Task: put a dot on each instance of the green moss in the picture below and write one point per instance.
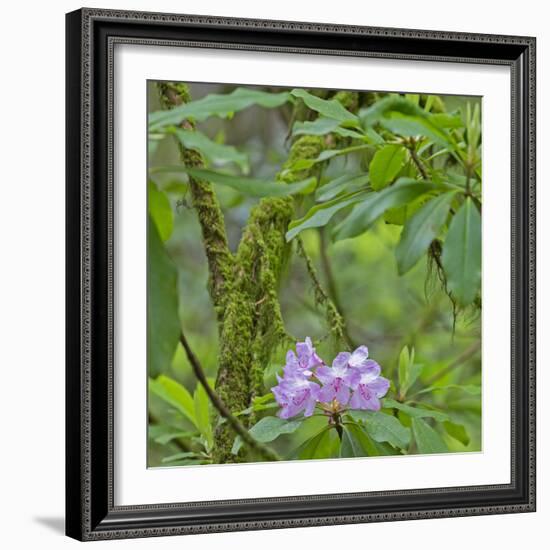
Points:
(349, 100)
(207, 206)
(304, 148)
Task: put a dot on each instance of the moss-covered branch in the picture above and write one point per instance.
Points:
(205, 202)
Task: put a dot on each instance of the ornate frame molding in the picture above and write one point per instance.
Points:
(91, 36)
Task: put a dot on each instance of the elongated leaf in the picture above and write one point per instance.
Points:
(216, 153)
(169, 436)
(176, 395)
(160, 210)
(268, 429)
(351, 445)
(320, 215)
(305, 164)
(415, 412)
(329, 108)
(445, 120)
(394, 103)
(403, 370)
(220, 105)
(408, 126)
(383, 427)
(427, 439)
(271, 427)
(317, 127)
(385, 165)
(248, 186)
(462, 254)
(202, 414)
(367, 212)
(420, 230)
(322, 126)
(357, 442)
(322, 445)
(163, 324)
(347, 183)
(457, 431)
(179, 456)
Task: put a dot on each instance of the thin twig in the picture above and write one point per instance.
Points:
(331, 282)
(255, 445)
(418, 163)
(337, 323)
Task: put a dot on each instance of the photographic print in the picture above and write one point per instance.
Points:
(314, 273)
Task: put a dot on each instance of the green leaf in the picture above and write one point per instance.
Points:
(393, 103)
(271, 427)
(403, 370)
(458, 432)
(402, 116)
(420, 230)
(174, 394)
(461, 256)
(169, 436)
(220, 105)
(160, 211)
(163, 324)
(386, 164)
(427, 439)
(383, 427)
(415, 412)
(322, 126)
(268, 429)
(408, 126)
(351, 445)
(321, 214)
(445, 120)
(329, 108)
(248, 186)
(179, 456)
(357, 442)
(365, 214)
(216, 153)
(318, 127)
(202, 414)
(322, 445)
(348, 183)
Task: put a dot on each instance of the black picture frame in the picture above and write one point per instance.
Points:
(90, 512)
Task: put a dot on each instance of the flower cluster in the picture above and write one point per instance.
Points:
(352, 382)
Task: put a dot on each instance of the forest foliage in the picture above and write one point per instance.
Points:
(351, 218)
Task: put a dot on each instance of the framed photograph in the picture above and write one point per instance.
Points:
(300, 274)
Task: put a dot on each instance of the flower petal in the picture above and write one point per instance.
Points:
(359, 356)
(342, 395)
(341, 360)
(370, 370)
(325, 374)
(326, 394)
(380, 386)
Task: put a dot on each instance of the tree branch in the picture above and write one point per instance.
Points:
(205, 203)
(255, 445)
